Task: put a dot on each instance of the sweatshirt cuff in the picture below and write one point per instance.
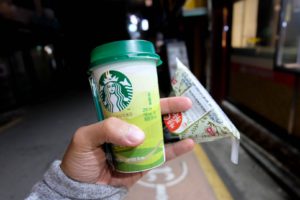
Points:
(59, 182)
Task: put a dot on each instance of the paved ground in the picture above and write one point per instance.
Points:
(29, 144)
(218, 179)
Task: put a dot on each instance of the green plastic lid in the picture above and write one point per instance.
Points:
(123, 50)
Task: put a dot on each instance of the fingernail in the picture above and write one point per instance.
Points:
(134, 135)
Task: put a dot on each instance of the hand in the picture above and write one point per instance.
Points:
(85, 160)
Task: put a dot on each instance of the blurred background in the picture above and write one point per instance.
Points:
(245, 52)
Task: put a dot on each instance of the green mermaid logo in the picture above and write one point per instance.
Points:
(115, 91)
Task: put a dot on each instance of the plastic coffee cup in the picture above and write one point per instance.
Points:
(124, 84)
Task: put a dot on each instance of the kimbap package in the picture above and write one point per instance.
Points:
(205, 121)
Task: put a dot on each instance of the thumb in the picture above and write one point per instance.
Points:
(111, 130)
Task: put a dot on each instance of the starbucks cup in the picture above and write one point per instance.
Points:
(124, 84)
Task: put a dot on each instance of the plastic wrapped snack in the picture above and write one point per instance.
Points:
(205, 121)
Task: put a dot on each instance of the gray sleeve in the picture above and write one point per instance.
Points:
(56, 185)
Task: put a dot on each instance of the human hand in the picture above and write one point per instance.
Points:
(85, 159)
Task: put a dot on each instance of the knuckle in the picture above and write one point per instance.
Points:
(110, 123)
(79, 134)
(112, 120)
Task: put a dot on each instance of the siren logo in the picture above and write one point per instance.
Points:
(115, 91)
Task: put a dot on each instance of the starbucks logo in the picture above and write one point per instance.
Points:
(115, 91)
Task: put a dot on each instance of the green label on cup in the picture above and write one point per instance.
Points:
(115, 91)
(125, 94)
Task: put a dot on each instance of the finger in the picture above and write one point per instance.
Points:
(111, 130)
(176, 149)
(175, 104)
(119, 178)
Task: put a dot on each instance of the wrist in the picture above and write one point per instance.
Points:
(58, 181)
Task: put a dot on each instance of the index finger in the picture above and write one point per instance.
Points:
(175, 104)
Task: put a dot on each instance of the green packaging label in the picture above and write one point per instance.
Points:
(115, 91)
(127, 96)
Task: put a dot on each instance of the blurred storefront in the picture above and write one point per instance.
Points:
(257, 77)
(254, 44)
